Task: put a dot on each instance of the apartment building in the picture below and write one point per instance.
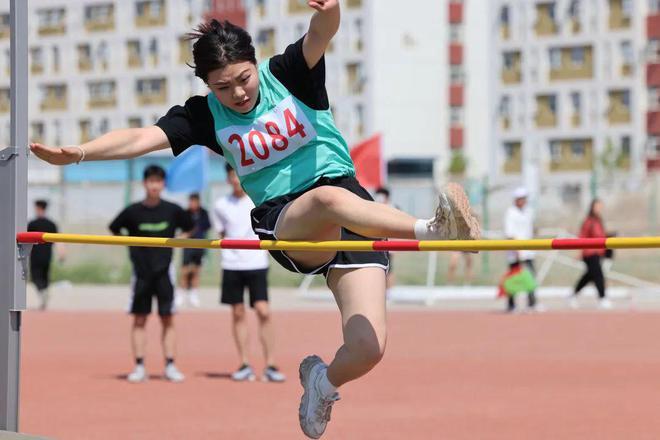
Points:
(383, 71)
(97, 65)
(573, 92)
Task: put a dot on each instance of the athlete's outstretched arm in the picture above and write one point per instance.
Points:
(117, 144)
(322, 27)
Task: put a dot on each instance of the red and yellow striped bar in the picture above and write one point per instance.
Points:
(364, 246)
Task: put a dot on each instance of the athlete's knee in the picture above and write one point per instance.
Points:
(238, 312)
(262, 310)
(329, 198)
(140, 321)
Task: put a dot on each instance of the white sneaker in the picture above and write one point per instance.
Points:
(272, 374)
(453, 218)
(539, 308)
(173, 374)
(179, 299)
(314, 412)
(139, 374)
(193, 299)
(605, 304)
(44, 296)
(573, 302)
(244, 373)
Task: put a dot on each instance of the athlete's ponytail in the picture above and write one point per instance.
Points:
(219, 44)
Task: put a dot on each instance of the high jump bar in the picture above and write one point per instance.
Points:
(364, 246)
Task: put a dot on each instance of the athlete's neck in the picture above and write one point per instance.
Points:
(151, 201)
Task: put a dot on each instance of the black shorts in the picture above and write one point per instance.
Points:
(159, 285)
(40, 274)
(234, 283)
(264, 222)
(193, 257)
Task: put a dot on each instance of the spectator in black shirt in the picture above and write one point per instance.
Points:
(192, 258)
(41, 255)
(152, 272)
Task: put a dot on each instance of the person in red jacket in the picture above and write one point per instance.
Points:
(592, 227)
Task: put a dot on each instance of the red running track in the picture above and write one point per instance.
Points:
(458, 375)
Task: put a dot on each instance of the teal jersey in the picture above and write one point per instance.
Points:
(282, 146)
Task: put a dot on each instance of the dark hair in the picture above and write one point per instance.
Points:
(384, 191)
(218, 45)
(228, 167)
(153, 171)
(41, 204)
(193, 196)
(591, 212)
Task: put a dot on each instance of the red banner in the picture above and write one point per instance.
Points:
(368, 162)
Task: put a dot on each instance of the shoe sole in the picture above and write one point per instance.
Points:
(303, 371)
(467, 226)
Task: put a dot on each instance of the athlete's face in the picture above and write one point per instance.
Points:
(236, 86)
(154, 185)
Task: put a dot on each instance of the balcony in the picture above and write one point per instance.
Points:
(100, 25)
(36, 68)
(456, 137)
(298, 7)
(572, 155)
(653, 123)
(152, 98)
(4, 26)
(456, 95)
(546, 112)
(455, 54)
(4, 101)
(618, 18)
(545, 23)
(573, 67)
(505, 31)
(47, 30)
(618, 111)
(151, 13)
(455, 13)
(511, 69)
(54, 100)
(97, 102)
(653, 26)
(513, 162)
(352, 4)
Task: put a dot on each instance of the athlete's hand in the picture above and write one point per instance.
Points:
(56, 155)
(323, 5)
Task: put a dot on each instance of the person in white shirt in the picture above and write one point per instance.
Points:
(519, 225)
(244, 269)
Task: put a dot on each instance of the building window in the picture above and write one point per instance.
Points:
(555, 58)
(577, 56)
(577, 150)
(653, 147)
(505, 106)
(456, 74)
(576, 101)
(99, 17)
(456, 115)
(455, 33)
(4, 25)
(56, 59)
(625, 146)
(555, 151)
(509, 60)
(37, 132)
(654, 6)
(627, 8)
(504, 15)
(51, 21)
(625, 99)
(37, 58)
(654, 98)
